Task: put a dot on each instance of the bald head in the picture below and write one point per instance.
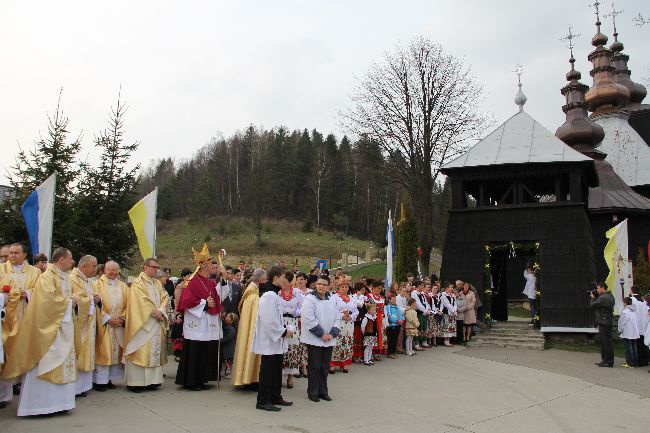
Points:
(112, 270)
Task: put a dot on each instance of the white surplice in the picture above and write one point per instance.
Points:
(269, 327)
(198, 325)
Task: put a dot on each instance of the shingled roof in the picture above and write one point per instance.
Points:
(613, 193)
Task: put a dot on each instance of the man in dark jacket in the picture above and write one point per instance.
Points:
(603, 303)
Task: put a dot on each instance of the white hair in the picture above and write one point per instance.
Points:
(86, 260)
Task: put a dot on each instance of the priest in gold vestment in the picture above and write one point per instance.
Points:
(146, 330)
(109, 346)
(44, 347)
(22, 278)
(87, 300)
(246, 364)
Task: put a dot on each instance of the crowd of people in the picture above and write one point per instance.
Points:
(68, 330)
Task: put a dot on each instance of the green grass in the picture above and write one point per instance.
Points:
(282, 239)
(619, 349)
(375, 270)
(518, 312)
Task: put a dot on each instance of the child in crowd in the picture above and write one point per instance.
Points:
(412, 325)
(629, 329)
(228, 342)
(359, 293)
(369, 326)
(395, 320)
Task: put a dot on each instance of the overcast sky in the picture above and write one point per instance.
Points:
(190, 70)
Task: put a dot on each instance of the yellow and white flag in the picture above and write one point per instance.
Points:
(143, 218)
(617, 261)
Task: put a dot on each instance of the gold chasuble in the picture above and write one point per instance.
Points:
(82, 291)
(110, 339)
(47, 338)
(246, 365)
(145, 337)
(19, 278)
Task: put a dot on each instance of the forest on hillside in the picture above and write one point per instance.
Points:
(316, 180)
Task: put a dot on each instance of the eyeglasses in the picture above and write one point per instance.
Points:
(155, 267)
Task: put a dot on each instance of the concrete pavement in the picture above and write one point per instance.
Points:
(440, 390)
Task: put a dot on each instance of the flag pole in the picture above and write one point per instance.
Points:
(49, 253)
(155, 224)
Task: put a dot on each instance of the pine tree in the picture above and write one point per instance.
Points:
(406, 244)
(642, 272)
(55, 153)
(108, 192)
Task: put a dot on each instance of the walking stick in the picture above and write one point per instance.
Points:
(222, 254)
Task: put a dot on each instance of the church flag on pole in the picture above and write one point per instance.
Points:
(143, 218)
(390, 251)
(38, 214)
(617, 261)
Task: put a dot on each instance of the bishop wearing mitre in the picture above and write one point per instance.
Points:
(201, 307)
(109, 345)
(44, 347)
(87, 301)
(145, 335)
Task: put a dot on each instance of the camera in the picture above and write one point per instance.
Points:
(593, 290)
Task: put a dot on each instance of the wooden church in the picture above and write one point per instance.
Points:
(523, 195)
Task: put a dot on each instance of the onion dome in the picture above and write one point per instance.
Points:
(605, 94)
(579, 131)
(622, 74)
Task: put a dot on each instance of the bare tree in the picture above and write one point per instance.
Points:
(320, 175)
(421, 105)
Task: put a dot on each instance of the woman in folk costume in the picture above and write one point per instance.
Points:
(291, 303)
(303, 287)
(449, 313)
(359, 294)
(381, 347)
(422, 309)
(347, 305)
(434, 320)
(109, 346)
(201, 309)
(246, 364)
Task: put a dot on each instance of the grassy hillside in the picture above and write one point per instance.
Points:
(282, 239)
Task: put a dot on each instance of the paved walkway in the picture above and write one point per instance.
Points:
(440, 390)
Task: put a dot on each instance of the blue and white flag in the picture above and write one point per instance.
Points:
(38, 213)
(390, 251)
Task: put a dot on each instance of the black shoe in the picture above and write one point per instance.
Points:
(3, 404)
(82, 394)
(269, 407)
(205, 386)
(314, 398)
(325, 397)
(193, 388)
(16, 389)
(283, 403)
(605, 364)
(153, 386)
(110, 385)
(98, 387)
(136, 389)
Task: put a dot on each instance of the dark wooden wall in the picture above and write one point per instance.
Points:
(567, 253)
(638, 227)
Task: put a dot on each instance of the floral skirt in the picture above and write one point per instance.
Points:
(433, 327)
(292, 359)
(383, 350)
(448, 326)
(357, 344)
(369, 340)
(342, 353)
